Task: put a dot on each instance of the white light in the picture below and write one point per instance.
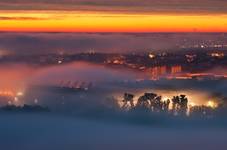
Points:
(211, 104)
(20, 93)
(192, 104)
(36, 101)
(16, 99)
(151, 56)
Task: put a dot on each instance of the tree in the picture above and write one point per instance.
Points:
(128, 98)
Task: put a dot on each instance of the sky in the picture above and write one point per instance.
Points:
(113, 15)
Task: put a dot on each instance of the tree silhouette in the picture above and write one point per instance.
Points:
(128, 99)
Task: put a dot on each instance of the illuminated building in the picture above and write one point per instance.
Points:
(176, 69)
(217, 55)
(156, 72)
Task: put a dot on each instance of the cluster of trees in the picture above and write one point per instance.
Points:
(24, 108)
(177, 105)
(155, 102)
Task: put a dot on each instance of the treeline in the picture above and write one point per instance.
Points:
(24, 108)
(178, 105)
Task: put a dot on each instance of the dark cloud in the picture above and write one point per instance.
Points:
(79, 42)
(143, 6)
(20, 18)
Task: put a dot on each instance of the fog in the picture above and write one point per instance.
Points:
(22, 78)
(18, 77)
(13, 76)
(93, 119)
(49, 132)
(108, 86)
(106, 94)
(84, 72)
(42, 43)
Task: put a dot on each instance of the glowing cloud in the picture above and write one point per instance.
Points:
(55, 21)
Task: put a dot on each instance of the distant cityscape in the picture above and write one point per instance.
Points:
(182, 63)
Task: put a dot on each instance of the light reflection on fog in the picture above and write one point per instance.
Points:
(20, 78)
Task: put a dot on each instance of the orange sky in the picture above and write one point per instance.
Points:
(61, 21)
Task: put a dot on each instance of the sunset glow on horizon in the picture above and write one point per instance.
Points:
(63, 21)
